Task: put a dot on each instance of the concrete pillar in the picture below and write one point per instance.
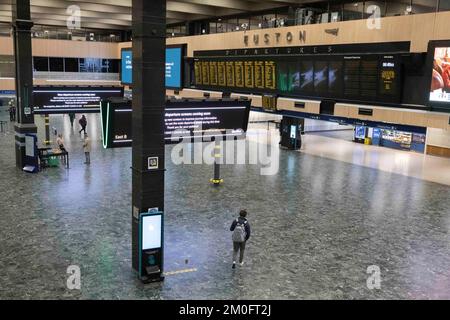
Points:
(21, 19)
(149, 41)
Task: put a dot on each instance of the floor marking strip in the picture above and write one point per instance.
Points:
(179, 271)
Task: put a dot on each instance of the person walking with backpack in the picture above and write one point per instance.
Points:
(241, 233)
(83, 123)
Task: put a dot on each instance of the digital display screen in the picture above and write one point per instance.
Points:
(259, 74)
(187, 118)
(307, 76)
(221, 71)
(205, 72)
(270, 75)
(174, 59)
(294, 77)
(321, 77)
(65, 99)
(126, 70)
(151, 231)
(293, 133)
(335, 77)
(369, 78)
(352, 76)
(239, 72)
(122, 127)
(249, 72)
(283, 76)
(440, 80)
(213, 73)
(388, 77)
(181, 119)
(198, 72)
(230, 73)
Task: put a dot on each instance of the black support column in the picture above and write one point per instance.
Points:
(22, 24)
(149, 41)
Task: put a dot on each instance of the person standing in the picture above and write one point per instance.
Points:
(87, 149)
(241, 233)
(72, 118)
(83, 124)
(60, 143)
(12, 111)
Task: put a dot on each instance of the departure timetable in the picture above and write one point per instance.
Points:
(230, 74)
(221, 70)
(239, 67)
(269, 73)
(259, 74)
(213, 73)
(205, 72)
(249, 71)
(198, 72)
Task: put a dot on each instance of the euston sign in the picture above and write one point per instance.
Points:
(277, 36)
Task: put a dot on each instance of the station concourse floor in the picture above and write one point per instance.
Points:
(317, 225)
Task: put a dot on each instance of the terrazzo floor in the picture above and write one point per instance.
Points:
(317, 226)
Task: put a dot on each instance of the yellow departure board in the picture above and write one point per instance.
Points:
(205, 72)
(230, 74)
(249, 78)
(239, 71)
(259, 74)
(198, 72)
(213, 73)
(269, 73)
(221, 69)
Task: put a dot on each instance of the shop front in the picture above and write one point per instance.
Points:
(392, 137)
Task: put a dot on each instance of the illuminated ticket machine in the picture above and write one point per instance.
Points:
(291, 129)
(151, 246)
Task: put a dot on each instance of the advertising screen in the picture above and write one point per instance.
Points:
(65, 99)
(151, 231)
(173, 67)
(440, 81)
(126, 66)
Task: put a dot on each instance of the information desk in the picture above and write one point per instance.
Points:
(47, 154)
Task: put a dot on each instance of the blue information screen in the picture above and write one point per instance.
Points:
(126, 67)
(172, 68)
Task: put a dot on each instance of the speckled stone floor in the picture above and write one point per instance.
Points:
(317, 225)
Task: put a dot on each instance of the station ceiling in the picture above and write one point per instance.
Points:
(116, 14)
